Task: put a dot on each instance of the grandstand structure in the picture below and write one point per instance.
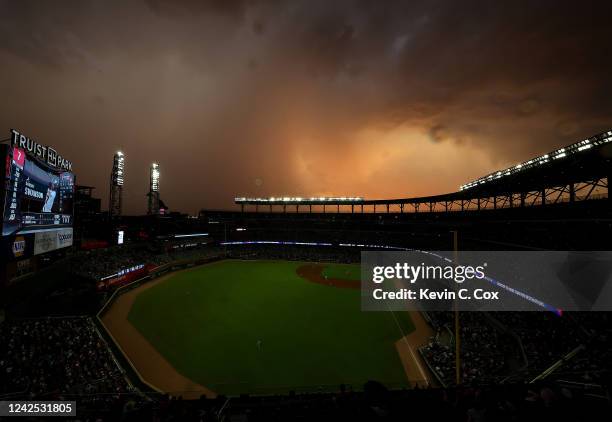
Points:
(578, 172)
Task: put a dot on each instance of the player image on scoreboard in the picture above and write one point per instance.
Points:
(40, 190)
(50, 196)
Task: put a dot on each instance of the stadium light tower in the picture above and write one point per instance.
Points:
(153, 208)
(116, 185)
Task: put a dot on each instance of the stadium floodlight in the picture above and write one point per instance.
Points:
(153, 195)
(116, 184)
(118, 166)
(296, 200)
(574, 148)
(155, 177)
(190, 235)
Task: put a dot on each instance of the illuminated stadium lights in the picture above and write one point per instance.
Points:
(362, 245)
(153, 206)
(154, 177)
(124, 272)
(274, 242)
(118, 164)
(292, 200)
(560, 153)
(116, 184)
(574, 148)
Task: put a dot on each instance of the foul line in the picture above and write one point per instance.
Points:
(414, 358)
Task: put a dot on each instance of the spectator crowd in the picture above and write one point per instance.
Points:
(46, 356)
(502, 346)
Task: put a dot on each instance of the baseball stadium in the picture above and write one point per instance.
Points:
(305, 211)
(260, 309)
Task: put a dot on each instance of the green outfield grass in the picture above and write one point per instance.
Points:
(207, 322)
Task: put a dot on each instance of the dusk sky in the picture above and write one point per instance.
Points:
(377, 99)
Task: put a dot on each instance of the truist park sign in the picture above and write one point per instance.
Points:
(42, 152)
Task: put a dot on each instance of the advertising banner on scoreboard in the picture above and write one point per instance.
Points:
(36, 196)
(16, 247)
(50, 240)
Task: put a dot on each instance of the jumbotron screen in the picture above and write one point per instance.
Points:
(37, 196)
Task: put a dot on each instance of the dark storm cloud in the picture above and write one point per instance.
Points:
(305, 97)
(185, 8)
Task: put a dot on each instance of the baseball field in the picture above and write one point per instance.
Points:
(268, 327)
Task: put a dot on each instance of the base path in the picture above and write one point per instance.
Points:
(153, 368)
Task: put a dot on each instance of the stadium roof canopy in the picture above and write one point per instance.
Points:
(563, 154)
(296, 200)
(586, 161)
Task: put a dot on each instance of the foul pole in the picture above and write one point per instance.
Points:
(457, 320)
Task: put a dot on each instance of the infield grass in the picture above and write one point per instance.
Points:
(257, 327)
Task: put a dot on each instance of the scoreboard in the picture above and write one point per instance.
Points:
(36, 199)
